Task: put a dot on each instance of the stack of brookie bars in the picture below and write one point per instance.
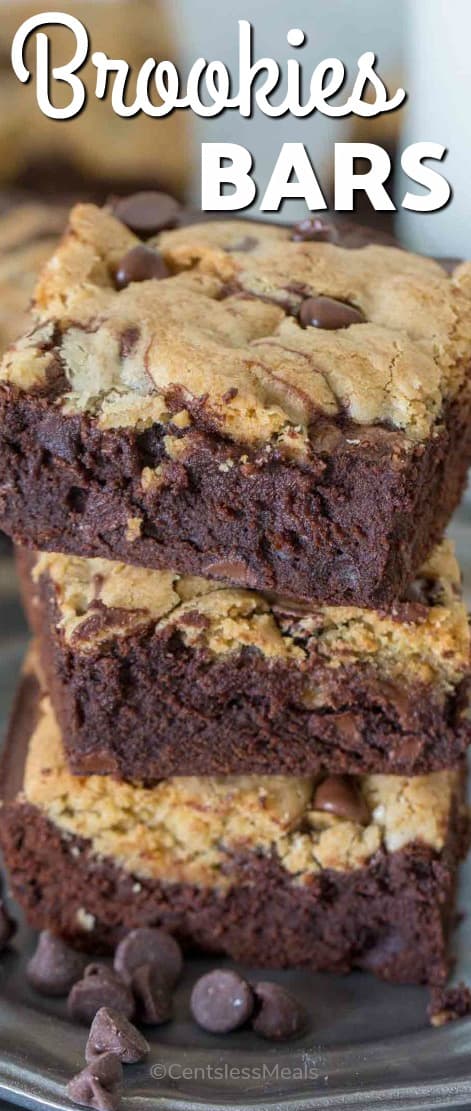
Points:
(229, 452)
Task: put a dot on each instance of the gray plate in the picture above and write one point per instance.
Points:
(368, 1044)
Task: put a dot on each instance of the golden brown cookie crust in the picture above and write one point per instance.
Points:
(225, 321)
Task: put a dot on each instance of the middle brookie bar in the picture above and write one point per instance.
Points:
(153, 674)
(327, 873)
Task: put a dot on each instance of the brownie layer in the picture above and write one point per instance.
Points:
(193, 423)
(244, 867)
(152, 675)
(349, 530)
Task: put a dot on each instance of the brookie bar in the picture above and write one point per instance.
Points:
(278, 408)
(327, 874)
(154, 674)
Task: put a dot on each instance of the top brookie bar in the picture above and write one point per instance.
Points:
(246, 402)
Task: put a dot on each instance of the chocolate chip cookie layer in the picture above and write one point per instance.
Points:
(153, 673)
(272, 870)
(231, 400)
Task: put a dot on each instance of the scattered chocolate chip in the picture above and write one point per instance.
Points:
(54, 967)
(111, 1032)
(313, 229)
(146, 213)
(398, 697)
(100, 987)
(328, 313)
(341, 796)
(98, 1085)
(278, 1015)
(140, 264)
(149, 946)
(221, 1001)
(152, 995)
(7, 926)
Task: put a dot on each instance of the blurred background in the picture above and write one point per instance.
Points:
(421, 44)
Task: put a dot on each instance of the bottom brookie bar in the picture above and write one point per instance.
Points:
(327, 873)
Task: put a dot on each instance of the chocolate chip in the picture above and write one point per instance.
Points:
(55, 967)
(152, 995)
(149, 946)
(111, 1032)
(100, 987)
(98, 1085)
(313, 229)
(146, 213)
(7, 926)
(328, 313)
(221, 1001)
(407, 752)
(140, 264)
(278, 1014)
(341, 796)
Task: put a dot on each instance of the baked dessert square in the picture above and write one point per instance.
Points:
(327, 873)
(154, 674)
(247, 402)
